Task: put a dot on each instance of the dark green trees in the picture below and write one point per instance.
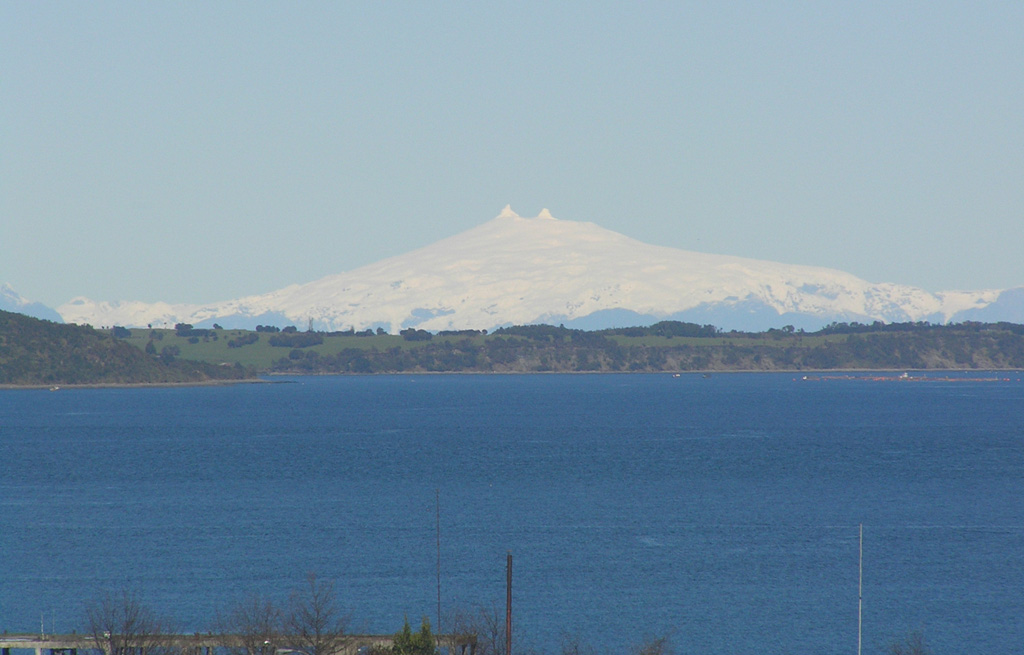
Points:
(407, 642)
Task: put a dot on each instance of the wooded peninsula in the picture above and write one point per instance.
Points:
(35, 352)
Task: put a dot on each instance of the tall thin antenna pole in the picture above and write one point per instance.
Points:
(437, 505)
(508, 606)
(860, 588)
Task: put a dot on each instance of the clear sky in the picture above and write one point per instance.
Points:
(194, 151)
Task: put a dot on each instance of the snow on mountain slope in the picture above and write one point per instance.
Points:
(515, 270)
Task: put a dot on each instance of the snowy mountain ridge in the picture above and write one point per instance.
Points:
(516, 270)
(12, 301)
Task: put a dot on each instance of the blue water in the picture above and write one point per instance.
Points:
(722, 512)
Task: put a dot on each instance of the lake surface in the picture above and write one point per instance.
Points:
(723, 512)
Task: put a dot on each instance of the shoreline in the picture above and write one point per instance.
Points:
(821, 374)
(133, 385)
(725, 371)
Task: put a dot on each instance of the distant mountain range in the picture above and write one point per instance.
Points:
(516, 270)
(11, 301)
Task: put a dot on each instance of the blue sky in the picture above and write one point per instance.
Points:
(193, 152)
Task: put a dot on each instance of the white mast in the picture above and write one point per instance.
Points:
(860, 587)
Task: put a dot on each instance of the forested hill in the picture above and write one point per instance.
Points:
(673, 346)
(668, 346)
(37, 352)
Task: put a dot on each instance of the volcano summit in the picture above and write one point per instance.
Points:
(516, 270)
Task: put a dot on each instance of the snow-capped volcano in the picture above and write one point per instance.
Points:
(516, 270)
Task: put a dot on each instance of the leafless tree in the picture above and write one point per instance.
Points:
(120, 624)
(314, 624)
(914, 645)
(654, 646)
(254, 625)
(485, 624)
(573, 644)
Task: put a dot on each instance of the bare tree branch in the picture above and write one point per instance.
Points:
(486, 624)
(655, 646)
(256, 624)
(314, 625)
(119, 624)
(914, 645)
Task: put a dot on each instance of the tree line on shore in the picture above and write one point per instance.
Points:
(36, 352)
(311, 622)
(684, 347)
